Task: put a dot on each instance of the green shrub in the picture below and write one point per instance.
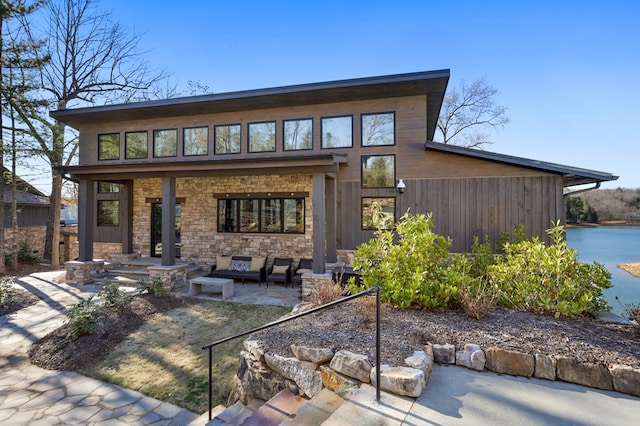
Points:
(5, 290)
(81, 318)
(154, 286)
(475, 294)
(26, 255)
(549, 279)
(411, 271)
(114, 298)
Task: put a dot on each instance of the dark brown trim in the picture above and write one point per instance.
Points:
(223, 195)
(159, 200)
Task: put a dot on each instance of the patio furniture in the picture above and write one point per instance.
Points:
(240, 268)
(280, 271)
(220, 285)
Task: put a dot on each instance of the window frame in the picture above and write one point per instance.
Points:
(249, 136)
(322, 128)
(126, 144)
(362, 133)
(175, 147)
(284, 134)
(184, 141)
(215, 138)
(101, 142)
(232, 223)
(100, 210)
(363, 185)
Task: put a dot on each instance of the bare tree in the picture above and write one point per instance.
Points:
(93, 61)
(467, 113)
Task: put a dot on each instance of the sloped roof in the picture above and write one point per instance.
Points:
(572, 176)
(27, 193)
(430, 83)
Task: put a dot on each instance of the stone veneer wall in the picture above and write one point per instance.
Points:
(199, 239)
(34, 236)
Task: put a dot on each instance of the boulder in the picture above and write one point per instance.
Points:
(303, 373)
(471, 357)
(404, 381)
(444, 354)
(255, 348)
(591, 375)
(255, 380)
(545, 367)
(340, 384)
(353, 365)
(626, 379)
(422, 361)
(315, 355)
(505, 361)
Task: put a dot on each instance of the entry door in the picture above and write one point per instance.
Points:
(156, 229)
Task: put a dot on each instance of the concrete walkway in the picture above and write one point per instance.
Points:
(30, 395)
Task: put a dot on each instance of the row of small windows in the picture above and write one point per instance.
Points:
(336, 132)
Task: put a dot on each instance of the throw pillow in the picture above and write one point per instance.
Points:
(280, 269)
(240, 265)
(257, 263)
(302, 271)
(223, 262)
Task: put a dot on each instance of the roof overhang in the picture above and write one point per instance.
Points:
(571, 176)
(323, 163)
(433, 84)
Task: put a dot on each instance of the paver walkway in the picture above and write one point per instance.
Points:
(35, 396)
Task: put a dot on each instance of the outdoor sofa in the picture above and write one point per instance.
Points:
(240, 268)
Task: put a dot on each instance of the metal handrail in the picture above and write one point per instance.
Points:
(375, 289)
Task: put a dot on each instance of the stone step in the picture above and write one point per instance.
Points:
(363, 409)
(281, 407)
(316, 410)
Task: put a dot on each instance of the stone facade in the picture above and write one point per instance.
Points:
(199, 238)
(32, 235)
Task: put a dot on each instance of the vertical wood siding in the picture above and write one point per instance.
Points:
(464, 208)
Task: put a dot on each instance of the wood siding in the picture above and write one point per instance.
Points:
(464, 207)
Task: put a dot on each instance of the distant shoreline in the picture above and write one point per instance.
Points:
(632, 268)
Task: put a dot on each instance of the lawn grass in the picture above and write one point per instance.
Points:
(164, 358)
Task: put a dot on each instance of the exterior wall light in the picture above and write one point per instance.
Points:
(401, 186)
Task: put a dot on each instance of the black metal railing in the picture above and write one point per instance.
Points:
(375, 290)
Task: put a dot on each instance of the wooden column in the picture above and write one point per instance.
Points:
(168, 221)
(126, 216)
(86, 214)
(318, 223)
(331, 218)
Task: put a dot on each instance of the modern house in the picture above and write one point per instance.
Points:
(293, 171)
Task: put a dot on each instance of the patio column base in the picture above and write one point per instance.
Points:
(310, 281)
(79, 273)
(174, 277)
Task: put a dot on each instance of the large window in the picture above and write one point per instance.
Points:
(298, 134)
(378, 129)
(165, 143)
(135, 144)
(378, 171)
(109, 146)
(262, 136)
(227, 139)
(384, 206)
(108, 212)
(272, 215)
(195, 141)
(337, 132)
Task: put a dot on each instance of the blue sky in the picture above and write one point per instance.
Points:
(567, 71)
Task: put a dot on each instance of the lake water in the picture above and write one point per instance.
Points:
(611, 245)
